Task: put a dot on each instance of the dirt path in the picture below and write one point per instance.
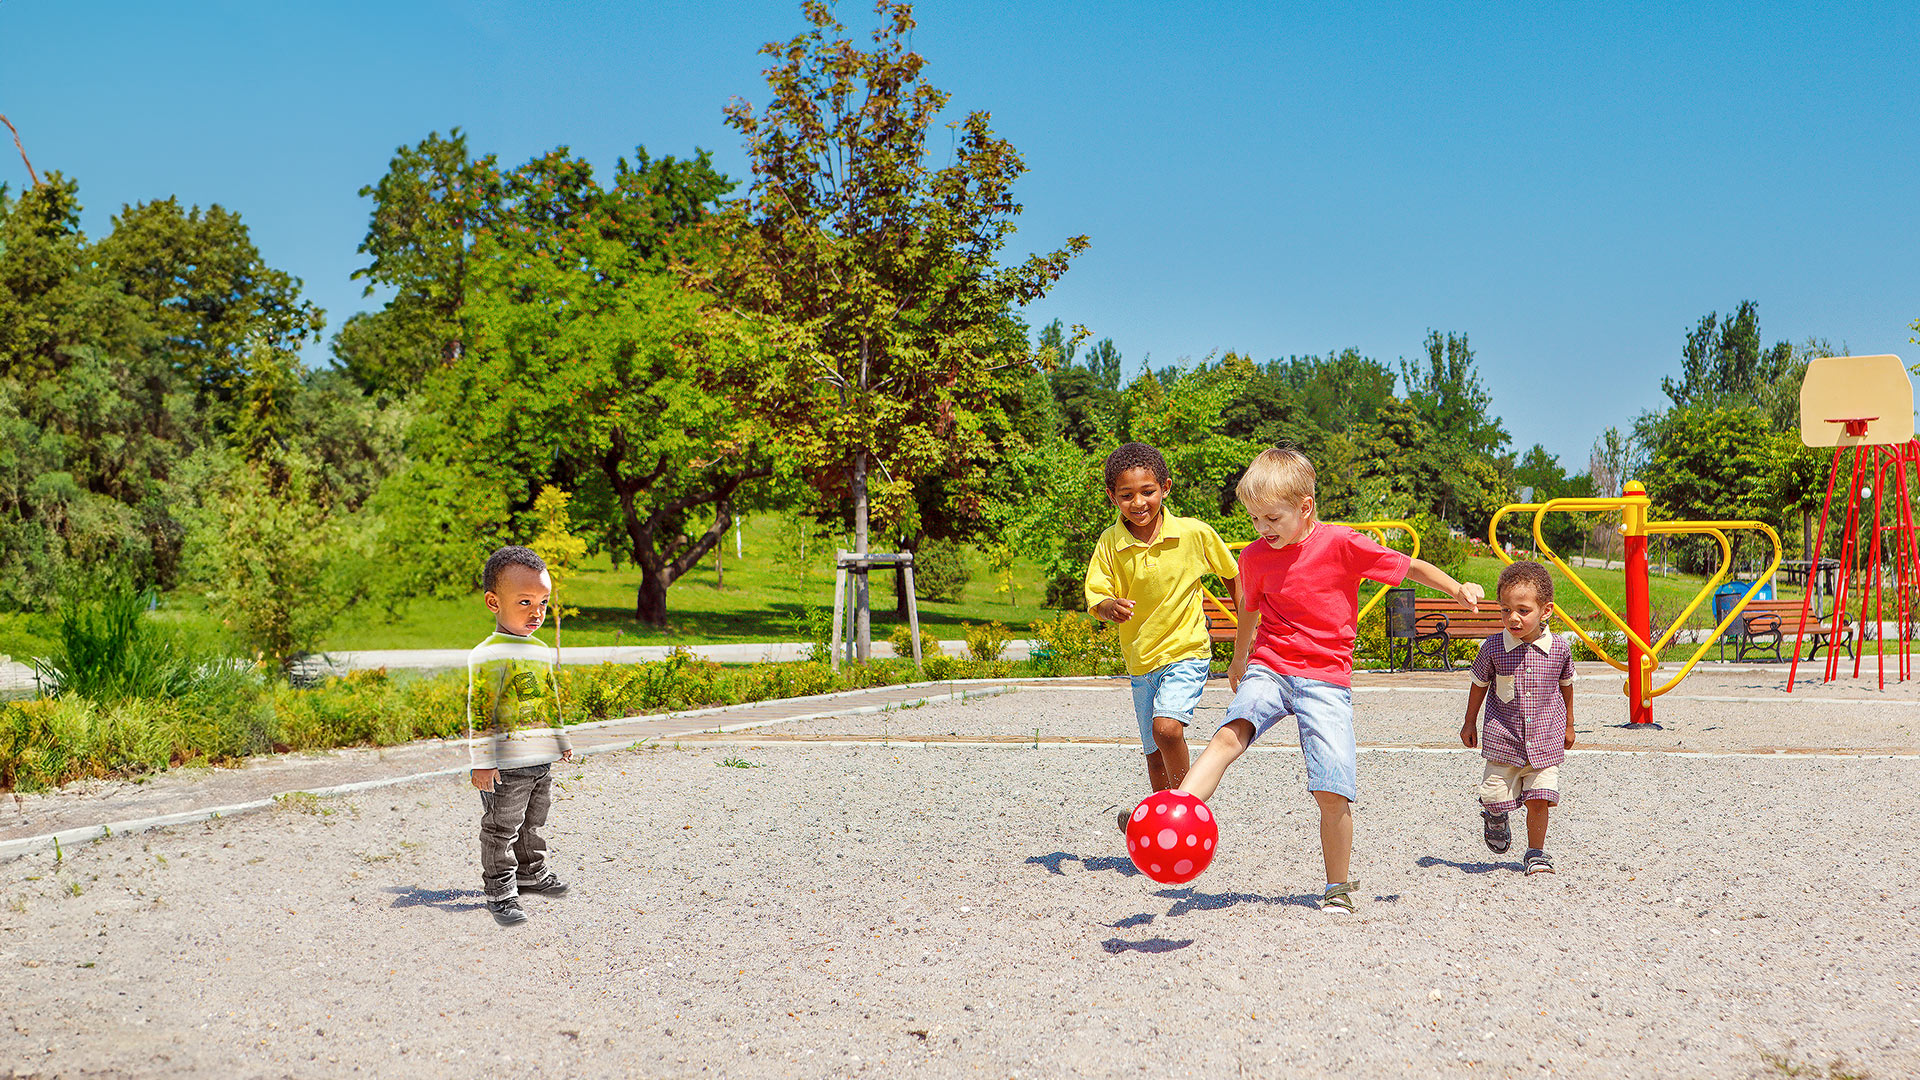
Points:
(782, 908)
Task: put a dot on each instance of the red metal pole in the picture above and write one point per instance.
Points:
(1639, 616)
(1813, 570)
(1873, 572)
(1843, 585)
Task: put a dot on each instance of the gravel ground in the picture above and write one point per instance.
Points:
(922, 910)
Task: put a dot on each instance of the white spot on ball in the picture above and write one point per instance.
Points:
(1208, 845)
(1168, 838)
(1140, 812)
(1153, 868)
(1192, 839)
(1160, 809)
(1205, 814)
(1179, 811)
(1183, 868)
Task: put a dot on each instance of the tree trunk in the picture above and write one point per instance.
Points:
(650, 605)
(900, 582)
(862, 615)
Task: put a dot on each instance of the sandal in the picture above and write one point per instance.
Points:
(1338, 897)
(1538, 862)
(1494, 828)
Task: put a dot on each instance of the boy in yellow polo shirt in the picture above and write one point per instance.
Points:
(1145, 577)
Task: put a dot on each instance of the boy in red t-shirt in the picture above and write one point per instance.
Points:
(1299, 609)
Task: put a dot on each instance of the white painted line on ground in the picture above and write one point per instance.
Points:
(910, 743)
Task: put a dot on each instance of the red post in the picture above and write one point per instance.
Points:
(1639, 611)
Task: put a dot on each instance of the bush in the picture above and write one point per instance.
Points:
(986, 641)
(941, 570)
(902, 641)
(1439, 546)
(1076, 643)
(107, 650)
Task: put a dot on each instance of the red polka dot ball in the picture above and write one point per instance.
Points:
(1171, 837)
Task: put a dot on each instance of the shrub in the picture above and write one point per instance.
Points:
(902, 641)
(108, 650)
(941, 570)
(986, 641)
(946, 667)
(1438, 544)
(1075, 643)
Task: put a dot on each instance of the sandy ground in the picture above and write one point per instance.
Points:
(772, 908)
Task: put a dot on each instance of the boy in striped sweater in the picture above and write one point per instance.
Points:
(514, 733)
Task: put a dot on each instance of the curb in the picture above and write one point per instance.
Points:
(84, 834)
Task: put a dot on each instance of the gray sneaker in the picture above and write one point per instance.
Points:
(550, 885)
(507, 912)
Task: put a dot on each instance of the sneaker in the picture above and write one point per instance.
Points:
(1538, 862)
(1338, 897)
(546, 886)
(1495, 830)
(507, 912)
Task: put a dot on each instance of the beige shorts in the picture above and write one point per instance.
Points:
(1504, 787)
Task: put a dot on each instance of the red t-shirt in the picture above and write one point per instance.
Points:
(1308, 597)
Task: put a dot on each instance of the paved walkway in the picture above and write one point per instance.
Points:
(78, 812)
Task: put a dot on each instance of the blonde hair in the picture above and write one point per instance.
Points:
(1279, 474)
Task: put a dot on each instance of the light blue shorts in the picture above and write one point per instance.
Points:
(1325, 713)
(1170, 691)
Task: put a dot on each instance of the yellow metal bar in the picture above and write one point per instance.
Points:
(1540, 544)
(1377, 528)
(1499, 550)
(1751, 592)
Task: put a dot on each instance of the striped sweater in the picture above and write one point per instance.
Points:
(513, 704)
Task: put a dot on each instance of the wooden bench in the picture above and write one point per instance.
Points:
(1761, 629)
(1439, 622)
(1222, 623)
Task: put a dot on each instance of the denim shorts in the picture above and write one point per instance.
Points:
(1324, 711)
(1171, 691)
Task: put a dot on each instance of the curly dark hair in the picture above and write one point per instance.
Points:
(1528, 574)
(505, 557)
(1137, 455)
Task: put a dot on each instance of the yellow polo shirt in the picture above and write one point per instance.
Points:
(1163, 581)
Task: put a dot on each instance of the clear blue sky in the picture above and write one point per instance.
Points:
(1572, 185)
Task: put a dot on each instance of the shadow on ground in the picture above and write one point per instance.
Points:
(1054, 860)
(1151, 945)
(444, 899)
(1426, 862)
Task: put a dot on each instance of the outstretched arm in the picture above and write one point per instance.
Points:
(1425, 573)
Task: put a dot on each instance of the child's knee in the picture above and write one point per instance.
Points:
(1167, 728)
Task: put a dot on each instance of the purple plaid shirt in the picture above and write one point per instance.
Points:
(1526, 716)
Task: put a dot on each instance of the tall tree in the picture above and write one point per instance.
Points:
(1448, 393)
(434, 200)
(878, 275)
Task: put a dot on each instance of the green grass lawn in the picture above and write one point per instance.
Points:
(764, 599)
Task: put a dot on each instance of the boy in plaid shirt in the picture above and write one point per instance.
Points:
(1529, 726)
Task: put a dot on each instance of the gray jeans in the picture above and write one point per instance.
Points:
(511, 847)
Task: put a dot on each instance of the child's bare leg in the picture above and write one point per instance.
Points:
(1226, 747)
(1336, 834)
(1157, 770)
(1537, 823)
(1170, 736)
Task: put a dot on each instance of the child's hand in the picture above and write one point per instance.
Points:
(1471, 594)
(483, 778)
(567, 754)
(1569, 745)
(1117, 609)
(1236, 670)
(1470, 734)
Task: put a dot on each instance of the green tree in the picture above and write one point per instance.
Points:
(1449, 396)
(433, 203)
(878, 276)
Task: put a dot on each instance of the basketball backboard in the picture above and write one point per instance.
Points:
(1873, 392)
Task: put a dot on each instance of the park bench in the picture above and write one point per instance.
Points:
(1438, 623)
(1761, 629)
(1222, 623)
